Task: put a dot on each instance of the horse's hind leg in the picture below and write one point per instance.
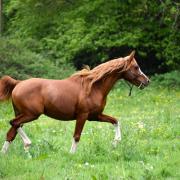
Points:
(10, 136)
(24, 137)
(16, 123)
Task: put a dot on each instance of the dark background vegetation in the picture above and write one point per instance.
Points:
(45, 38)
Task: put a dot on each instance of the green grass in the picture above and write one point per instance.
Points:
(150, 146)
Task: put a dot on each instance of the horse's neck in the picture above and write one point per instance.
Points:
(106, 85)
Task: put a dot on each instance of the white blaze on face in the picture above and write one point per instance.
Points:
(142, 74)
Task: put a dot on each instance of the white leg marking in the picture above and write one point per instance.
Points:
(117, 132)
(117, 137)
(5, 147)
(26, 140)
(73, 147)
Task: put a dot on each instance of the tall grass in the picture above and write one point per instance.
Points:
(149, 149)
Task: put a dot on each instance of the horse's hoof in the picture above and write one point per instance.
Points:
(5, 147)
(3, 152)
(72, 151)
(116, 141)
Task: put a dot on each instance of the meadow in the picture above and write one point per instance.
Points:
(150, 146)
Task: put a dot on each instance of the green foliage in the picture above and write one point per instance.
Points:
(168, 80)
(90, 32)
(149, 149)
(20, 60)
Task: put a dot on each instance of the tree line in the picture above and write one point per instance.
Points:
(63, 33)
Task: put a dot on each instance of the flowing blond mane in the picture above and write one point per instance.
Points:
(101, 71)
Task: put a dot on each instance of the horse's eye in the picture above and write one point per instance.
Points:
(136, 67)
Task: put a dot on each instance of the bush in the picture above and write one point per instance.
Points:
(91, 32)
(19, 61)
(170, 79)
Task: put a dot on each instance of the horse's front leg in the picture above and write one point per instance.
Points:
(81, 119)
(105, 118)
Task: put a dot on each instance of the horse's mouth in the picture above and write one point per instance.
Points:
(141, 86)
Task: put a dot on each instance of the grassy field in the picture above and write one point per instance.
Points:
(150, 146)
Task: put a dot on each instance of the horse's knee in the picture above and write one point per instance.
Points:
(14, 123)
(11, 122)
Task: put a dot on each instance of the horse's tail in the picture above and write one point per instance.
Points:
(7, 84)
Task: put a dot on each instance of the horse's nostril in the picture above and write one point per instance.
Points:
(148, 81)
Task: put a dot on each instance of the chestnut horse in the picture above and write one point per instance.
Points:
(81, 96)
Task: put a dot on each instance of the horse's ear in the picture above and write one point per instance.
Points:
(131, 56)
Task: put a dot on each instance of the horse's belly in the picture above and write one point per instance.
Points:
(60, 113)
(61, 107)
(60, 103)
(60, 116)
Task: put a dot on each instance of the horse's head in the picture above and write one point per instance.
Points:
(133, 73)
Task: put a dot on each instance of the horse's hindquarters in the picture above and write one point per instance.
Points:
(27, 97)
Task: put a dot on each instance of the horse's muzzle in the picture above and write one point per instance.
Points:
(144, 84)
